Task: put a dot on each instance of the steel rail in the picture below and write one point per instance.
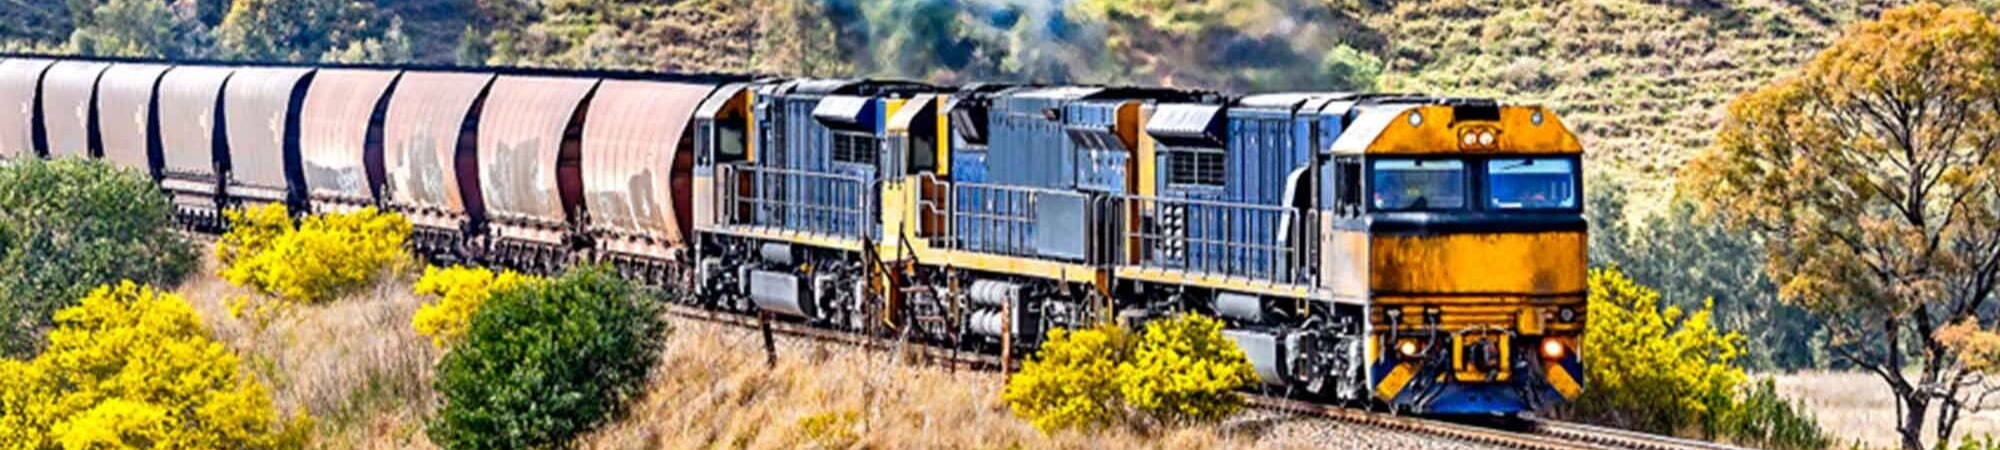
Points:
(1619, 438)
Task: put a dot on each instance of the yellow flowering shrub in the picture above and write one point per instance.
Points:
(1181, 370)
(1072, 380)
(1185, 371)
(1654, 368)
(460, 291)
(251, 231)
(133, 367)
(325, 256)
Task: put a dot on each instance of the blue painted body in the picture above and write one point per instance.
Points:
(1098, 169)
(791, 139)
(1262, 147)
(1027, 149)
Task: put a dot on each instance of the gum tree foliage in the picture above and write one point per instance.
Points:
(545, 362)
(132, 367)
(310, 30)
(1345, 68)
(68, 226)
(1178, 371)
(794, 38)
(137, 28)
(928, 33)
(1871, 177)
(783, 37)
(1690, 259)
(1167, 40)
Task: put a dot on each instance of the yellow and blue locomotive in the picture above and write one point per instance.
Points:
(1423, 252)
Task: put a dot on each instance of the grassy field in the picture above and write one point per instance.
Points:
(1857, 406)
(356, 366)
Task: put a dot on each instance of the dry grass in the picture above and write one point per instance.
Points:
(1857, 406)
(355, 364)
(714, 391)
(364, 375)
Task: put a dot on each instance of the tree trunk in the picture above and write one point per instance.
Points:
(1911, 427)
(1947, 419)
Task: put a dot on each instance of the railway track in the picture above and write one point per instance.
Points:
(1538, 434)
(1617, 438)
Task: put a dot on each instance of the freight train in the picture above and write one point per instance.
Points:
(1424, 253)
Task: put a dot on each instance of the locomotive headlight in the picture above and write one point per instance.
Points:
(1553, 348)
(1535, 118)
(1470, 139)
(1486, 138)
(1408, 348)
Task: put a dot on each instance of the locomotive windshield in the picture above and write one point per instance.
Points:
(1416, 184)
(1530, 183)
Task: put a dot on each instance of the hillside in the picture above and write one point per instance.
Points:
(1642, 81)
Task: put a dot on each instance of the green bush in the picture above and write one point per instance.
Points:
(1981, 442)
(1345, 68)
(545, 362)
(1763, 419)
(1180, 371)
(68, 226)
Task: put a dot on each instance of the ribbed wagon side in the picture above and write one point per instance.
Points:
(428, 141)
(68, 92)
(20, 89)
(340, 138)
(129, 137)
(262, 110)
(190, 117)
(637, 155)
(530, 147)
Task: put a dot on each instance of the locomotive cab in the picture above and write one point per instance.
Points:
(1460, 222)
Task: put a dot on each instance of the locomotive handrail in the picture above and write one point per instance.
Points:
(1221, 238)
(839, 205)
(1006, 225)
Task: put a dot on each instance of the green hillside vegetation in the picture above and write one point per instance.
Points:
(1643, 83)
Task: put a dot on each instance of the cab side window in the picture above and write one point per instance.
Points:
(731, 140)
(1347, 186)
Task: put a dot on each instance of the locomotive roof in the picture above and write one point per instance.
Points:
(1441, 127)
